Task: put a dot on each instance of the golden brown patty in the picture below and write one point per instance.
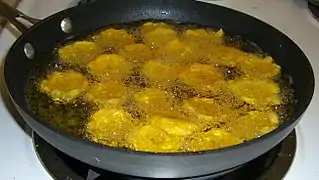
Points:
(201, 76)
(107, 93)
(110, 126)
(113, 38)
(136, 53)
(173, 126)
(149, 138)
(166, 76)
(153, 99)
(256, 92)
(254, 124)
(79, 53)
(212, 139)
(110, 67)
(159, 36)
(64, 86)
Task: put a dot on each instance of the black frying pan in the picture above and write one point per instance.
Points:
(44, 36)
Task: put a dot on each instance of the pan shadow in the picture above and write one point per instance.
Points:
(10, 106)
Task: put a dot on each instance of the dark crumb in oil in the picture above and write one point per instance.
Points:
(136, 81)
(136, 35)
(205, 61)
(181, 91)
(207, 129)
(226, 97)
(126, 147)
(229, 72)
(134, 110)
(110, 50)
(220, 125)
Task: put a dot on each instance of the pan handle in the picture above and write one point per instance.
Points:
(11, 14)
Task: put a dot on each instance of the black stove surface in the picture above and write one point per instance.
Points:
(273, 165)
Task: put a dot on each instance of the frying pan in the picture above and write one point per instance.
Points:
(38, 42)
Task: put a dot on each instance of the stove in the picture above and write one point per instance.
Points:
(25, 156)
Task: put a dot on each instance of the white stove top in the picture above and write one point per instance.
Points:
(17, 156)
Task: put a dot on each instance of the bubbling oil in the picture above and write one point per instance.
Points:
(160, 87)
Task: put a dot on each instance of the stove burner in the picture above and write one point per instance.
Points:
(272, 165)
(314, 9)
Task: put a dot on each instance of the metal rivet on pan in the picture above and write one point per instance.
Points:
(97, 159)
(165, 12)
(66, 25)
(29, 51)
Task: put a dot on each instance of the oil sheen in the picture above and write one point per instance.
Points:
(160, 87)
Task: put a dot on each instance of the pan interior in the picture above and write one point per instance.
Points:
(73, 117)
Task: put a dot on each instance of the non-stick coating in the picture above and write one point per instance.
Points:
(46, 34)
